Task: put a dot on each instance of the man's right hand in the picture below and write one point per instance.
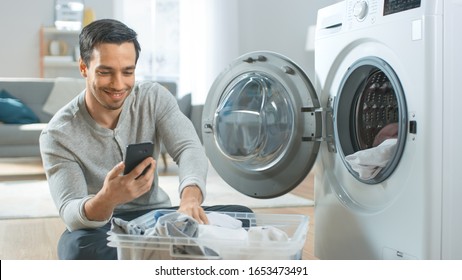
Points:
(119, 189)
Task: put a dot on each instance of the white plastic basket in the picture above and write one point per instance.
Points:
(141, 247)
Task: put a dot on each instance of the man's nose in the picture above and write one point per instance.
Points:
(117, 81)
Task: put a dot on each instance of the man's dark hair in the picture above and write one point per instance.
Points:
(105, 31)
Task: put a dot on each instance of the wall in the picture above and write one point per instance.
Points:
(20, 22)
(209, 42)
(279, 26)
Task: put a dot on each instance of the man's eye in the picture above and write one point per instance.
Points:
(104, 73)
(128, 73)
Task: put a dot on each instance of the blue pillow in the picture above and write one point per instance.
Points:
(13, 111)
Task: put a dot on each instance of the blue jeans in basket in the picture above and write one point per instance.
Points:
(91, 244)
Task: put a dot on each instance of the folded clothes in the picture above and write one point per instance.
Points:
(267, 233)
(223, 220)
(177, 224)
(368, 163)
(120, 226)
(220, 233)
(174, 224)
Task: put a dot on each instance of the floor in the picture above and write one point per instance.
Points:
(36, 239)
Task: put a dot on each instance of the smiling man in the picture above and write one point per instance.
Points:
(84, 145)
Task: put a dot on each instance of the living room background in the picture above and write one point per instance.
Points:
(237, 27)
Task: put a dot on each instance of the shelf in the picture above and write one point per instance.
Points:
(54, 30)
(63, 64)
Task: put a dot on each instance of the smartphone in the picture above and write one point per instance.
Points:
(135, 154)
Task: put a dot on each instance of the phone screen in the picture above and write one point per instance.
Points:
(136, 153)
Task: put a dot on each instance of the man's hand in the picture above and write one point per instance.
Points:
(119, 189)
(190, 204)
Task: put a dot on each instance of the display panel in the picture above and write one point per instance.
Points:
(396, 6)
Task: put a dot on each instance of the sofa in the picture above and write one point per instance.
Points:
(22, 140)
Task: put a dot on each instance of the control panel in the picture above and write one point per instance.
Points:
(362, 11)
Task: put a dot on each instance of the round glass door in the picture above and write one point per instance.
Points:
(253, 125)
(371, 120)
(254, 121)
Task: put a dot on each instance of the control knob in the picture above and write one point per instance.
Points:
(360, 10)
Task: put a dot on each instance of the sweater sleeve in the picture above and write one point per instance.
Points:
(182, 143)
(67, 184)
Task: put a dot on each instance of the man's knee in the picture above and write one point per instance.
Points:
(85, 244)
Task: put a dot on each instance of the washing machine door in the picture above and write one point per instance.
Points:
(261, 125)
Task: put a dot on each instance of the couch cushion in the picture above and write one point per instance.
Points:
(31, 91)
(20, 134)
(64, 90)
(14, 111)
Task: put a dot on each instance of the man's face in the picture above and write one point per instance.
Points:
(110, 76)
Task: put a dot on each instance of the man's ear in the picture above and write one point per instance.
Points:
(82, 68)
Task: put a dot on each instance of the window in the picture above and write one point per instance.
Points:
(184, 41)
(157, 25)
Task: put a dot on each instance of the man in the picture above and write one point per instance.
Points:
(83, 146)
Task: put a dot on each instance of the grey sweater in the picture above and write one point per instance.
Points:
(77, 153)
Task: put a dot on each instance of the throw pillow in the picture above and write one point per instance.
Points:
(13, 111)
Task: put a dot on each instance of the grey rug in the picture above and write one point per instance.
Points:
(31, 199)
(26, 199)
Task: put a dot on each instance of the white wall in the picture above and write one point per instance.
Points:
(280, 26)
(20, 22)
(210, 41)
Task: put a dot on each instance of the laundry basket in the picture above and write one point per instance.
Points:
(141, 247)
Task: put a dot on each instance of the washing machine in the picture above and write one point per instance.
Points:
(380, 62)
(386, 72)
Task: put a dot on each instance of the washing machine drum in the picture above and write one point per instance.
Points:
(254, 130)
(370, 107)
(376, 111)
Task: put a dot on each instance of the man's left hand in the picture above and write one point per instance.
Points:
(190, 204)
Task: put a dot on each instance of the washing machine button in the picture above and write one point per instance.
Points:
(360, 10)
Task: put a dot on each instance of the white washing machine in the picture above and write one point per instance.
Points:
(379, 64)
(378, 60)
